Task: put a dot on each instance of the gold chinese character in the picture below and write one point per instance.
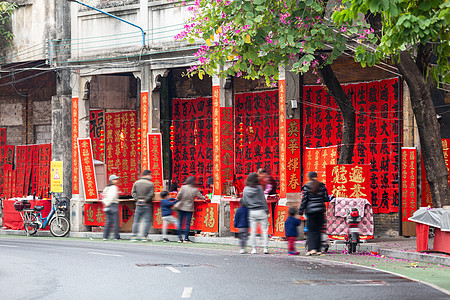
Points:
(357, 191)
(293, 164)
(279, 222)
(293, 129)
(209, 220)
(339, 191)
(356, 175)
(339, 175)
(90, 214)
(293, 146)
(99, 215)
(293, 181)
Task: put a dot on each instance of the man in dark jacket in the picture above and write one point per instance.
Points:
(313, 202)
(143, 192)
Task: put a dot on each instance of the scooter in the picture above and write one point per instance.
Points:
(352, 237)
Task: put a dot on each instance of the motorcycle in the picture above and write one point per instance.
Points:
(352, 237)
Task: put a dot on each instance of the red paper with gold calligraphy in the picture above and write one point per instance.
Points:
(206, 217)
(157, 217)
(226, 143)
(9, 158)
(409, 183)
(293, 174)
(234, 205)
(216, 140)
(97, 124)
(316, 159)
(121, 148)
(87, 168)
(45, 156)
(75, 161)
(283, 139)
(426, 192)
(94, 215)
(155, 161)
(348, 181)
(281, 215)
(144, 128)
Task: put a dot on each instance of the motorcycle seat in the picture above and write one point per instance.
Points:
(38, 208)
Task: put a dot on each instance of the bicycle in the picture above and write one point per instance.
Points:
(58, 224)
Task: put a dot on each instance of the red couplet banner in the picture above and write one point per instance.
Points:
(94, 215)
(87, 168)
(97, 124)
(317, 159)
(155, 161)
(349, 181)
(281, 215)
(409, 181)
(294, 183)
(75, 161)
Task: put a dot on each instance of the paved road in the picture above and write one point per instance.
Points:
(38, 268)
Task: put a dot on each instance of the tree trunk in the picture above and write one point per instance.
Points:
(347, 110)
(429, 132)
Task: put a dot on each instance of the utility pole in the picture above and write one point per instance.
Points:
(62, 101)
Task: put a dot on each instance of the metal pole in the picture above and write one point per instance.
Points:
(115, 17)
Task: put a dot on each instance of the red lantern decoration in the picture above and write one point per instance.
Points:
(241, 136)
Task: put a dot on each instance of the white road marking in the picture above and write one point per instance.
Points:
(8, 246)
(187, 292)
(105, 254)
(173, 269)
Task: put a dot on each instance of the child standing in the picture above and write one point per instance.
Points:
(241, 222)
(166, 212)
(290, 227)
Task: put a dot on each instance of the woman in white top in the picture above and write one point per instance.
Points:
(111, 202)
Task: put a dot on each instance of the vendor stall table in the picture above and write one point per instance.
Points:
(12, 218)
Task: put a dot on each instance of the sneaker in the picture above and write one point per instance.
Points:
(116, 239)
(105, 239)
(253, 251)
(144, 240)
(165, 240)
(180, 240)
(242, 251)
(293, 253)
(188, 241)
(133, 240)
(266, 250)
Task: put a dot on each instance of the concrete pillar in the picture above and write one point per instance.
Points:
(289, 123)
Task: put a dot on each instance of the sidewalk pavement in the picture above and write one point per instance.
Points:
(400, 247)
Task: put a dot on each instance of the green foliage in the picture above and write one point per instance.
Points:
(405, 25)
(251, 38)
(6, 10)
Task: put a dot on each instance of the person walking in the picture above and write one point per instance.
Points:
(142, 192)
(186, 196)
(111, 202)
(290, 227)
(253, 198)
(313, 203)
(166, 212)
(241, 222)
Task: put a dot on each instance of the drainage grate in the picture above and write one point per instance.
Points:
(174, 265)
(341, 282)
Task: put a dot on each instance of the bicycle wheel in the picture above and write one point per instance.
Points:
(30, 224)
(59, 226)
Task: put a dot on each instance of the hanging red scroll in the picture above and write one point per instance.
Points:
(378, 109)
(121, 148)
(97, 125)
(75, 161)
(316, 159)
(9, 158)
(348, 181)
(409, 183)
(144, 128)
(192, 154)
(259, 113)
(293, 174)
(155, 159)
(226, 144)
(45, 156)
(87, 168)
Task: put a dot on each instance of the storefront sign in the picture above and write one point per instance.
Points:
(282, 133)
(56, 176)
(144, 129)
(409, 183)
(154, 143)
(75, 161)
(349, 181)
(87, 168)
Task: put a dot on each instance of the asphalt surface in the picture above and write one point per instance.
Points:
(41, 268)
